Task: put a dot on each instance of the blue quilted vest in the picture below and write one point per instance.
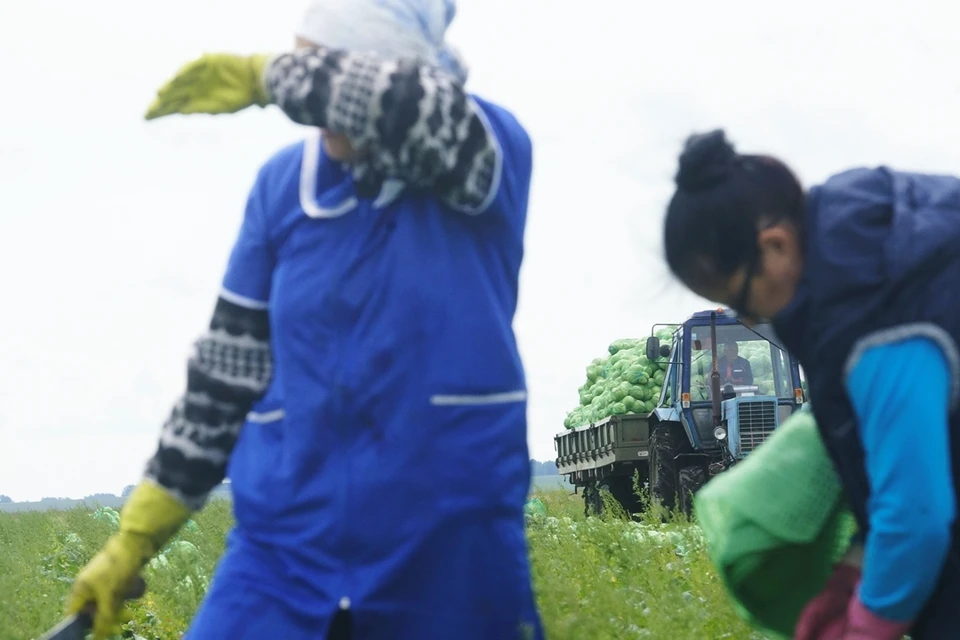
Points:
(882, 262)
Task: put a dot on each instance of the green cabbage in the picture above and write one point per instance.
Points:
(624, 383)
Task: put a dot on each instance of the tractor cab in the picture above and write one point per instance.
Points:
(727, 387)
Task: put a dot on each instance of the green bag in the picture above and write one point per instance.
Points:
(775, 524)
(534, 507)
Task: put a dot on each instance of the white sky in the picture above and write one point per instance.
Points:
(114, 232)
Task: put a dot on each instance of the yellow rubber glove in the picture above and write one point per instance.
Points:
(213, 83)
(149, 518)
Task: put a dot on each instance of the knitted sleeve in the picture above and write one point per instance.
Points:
(412, 122)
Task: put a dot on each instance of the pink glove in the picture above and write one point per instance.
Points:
(824, 617)
(864, 625)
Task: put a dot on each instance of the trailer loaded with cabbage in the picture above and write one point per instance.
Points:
(660, 412)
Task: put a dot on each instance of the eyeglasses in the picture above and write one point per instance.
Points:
(740, 306)
(742, 303)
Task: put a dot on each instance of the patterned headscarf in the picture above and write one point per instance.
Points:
(390, 28)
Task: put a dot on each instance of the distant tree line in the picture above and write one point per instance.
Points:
(546, 468)
(537, 468)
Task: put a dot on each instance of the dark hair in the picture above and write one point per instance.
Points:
(722, 197)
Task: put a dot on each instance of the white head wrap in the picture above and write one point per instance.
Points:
(389, 28)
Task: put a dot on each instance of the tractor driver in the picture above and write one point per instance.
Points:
(734, 369)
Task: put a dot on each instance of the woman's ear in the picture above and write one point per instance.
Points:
(780, 241)
(781, 255)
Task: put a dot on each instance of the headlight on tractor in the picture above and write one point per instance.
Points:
(720, 433)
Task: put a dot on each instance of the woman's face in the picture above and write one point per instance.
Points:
(336, 145)
(761, 293)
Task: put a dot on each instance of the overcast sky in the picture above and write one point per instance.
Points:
(114, 232)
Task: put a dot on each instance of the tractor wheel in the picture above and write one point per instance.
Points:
(592, 501)
(621, 487)
(691, 479)
(667, 441)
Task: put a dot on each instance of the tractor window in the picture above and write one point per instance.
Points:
(746, 360)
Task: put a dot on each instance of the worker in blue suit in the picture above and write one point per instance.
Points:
(860, 276)
(734, 368)
(360, 382)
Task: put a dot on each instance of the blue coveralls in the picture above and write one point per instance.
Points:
(385, 470)
(881, 291)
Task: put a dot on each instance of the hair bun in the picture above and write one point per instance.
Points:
(706, 161)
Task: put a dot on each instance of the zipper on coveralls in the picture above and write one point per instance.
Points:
(343, 498)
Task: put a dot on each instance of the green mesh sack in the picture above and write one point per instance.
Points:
(534, 507)
(775, 524)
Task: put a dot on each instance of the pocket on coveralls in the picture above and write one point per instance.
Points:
(481, 448)
(256, 463)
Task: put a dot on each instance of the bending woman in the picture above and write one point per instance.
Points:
(360, 382)
(861, 279)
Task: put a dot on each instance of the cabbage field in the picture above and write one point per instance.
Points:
(596, 578)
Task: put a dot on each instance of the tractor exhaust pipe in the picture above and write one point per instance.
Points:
(715, 372)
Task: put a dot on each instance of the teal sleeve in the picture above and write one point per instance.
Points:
(900, 393)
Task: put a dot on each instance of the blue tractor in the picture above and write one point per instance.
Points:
(727, 387)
